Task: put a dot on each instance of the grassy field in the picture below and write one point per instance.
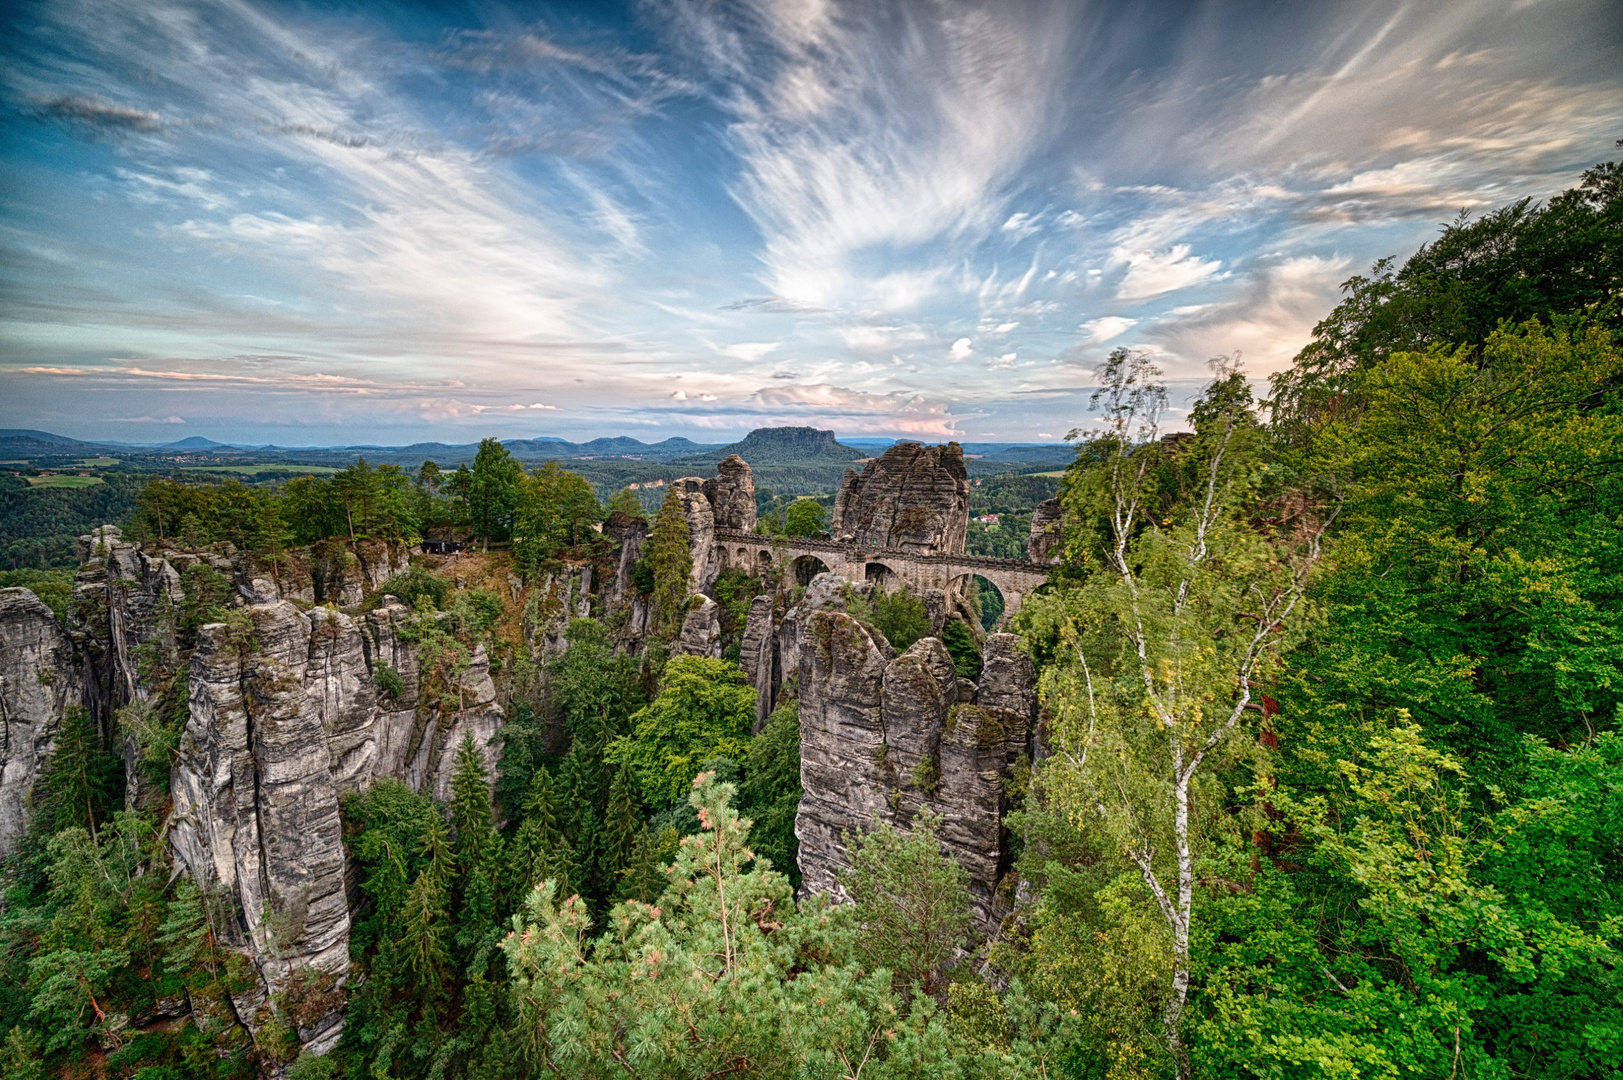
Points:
(260, 470)
(97, 463)
(63, 481)
(1056, 472)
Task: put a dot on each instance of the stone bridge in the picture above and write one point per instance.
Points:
(1016, 579)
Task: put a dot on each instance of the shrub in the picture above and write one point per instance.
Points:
(413, 584)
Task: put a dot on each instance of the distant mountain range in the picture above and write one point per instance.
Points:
(803, 447)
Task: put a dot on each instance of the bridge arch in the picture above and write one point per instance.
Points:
(805, 567)
(989, 599)
(882, 575)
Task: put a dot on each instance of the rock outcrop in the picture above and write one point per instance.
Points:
(41, 677)
(701, 533)
(911, 497)
(123, 599)
(732, 494)
(758, 656)
(256, 808)
(701, 630)
(887, 736)
(285, 717)
(1047, 543)
(628, 534)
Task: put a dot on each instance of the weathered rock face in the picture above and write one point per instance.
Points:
(628, 534)
(256, 807)
(40, 679)
(701, 533)
(912, 497)
(758, 656)
(123, 599)
(701, 630)
(281, 724)
(732, 494)
(890, 735)
(1047, 541)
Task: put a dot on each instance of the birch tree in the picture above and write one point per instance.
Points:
(1193, 570)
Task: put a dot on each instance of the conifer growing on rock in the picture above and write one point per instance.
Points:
(672, 564)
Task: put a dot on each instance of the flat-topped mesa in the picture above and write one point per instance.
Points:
(912, 497)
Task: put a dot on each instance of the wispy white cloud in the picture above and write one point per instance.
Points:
(863, 136)
(1106, 328)
(320, 223)
(1153, 273)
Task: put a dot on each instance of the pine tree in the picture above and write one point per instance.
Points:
(539, 850)
(672, 563)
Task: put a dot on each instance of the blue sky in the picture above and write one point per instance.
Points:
(367, 223)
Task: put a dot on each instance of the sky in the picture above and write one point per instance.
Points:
(328, 223)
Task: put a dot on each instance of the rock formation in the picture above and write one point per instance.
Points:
(911, 497)
(888, 735)
(732, 494)
(285, 715)
(1047, 543)
(285, 719)
(41, 677)
(758, 656)
(701, 630)
(701, 533)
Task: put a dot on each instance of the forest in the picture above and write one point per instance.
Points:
(1331, 782)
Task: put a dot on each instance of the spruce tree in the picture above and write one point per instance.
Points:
(470, 806)
(644, 878)
(81, 778)
(539, 851)
(477, 847)
(580, 782)
(424, 918)
(672, 563)
(622, 823)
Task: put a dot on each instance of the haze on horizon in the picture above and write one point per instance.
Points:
(325, 223)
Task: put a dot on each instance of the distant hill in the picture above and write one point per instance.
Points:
(195, 442)
(782, 446)
(38, 436)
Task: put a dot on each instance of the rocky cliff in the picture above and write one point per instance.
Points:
(732, 494)
(41, 677)
(285, 713)
(912, 497)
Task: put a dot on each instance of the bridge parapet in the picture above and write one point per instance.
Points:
(1016, 579)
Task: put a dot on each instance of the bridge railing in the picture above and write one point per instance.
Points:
(858, 551)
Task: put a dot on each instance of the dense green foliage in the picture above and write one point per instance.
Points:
(1333, 781)
(54, 587)
(902, 617)
(39, 527)
(1335, 788)
(804, 517)
(704, 710)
